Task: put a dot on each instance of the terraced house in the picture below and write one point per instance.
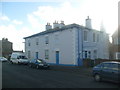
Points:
(68, 44)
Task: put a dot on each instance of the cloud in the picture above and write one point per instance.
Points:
(77, 14)
(17, 22)
(4, 18)
(64, 11)
(14, 35)
(33, 21)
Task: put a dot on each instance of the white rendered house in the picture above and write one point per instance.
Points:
(68, 44)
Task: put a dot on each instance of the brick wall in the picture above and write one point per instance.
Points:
(91, 63)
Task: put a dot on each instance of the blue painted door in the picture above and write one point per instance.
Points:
(57, 57)
(78, 61)
(36, 55)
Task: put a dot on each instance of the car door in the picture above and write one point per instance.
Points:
(115, 72)
(106, 72)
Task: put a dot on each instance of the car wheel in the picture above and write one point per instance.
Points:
(48, 67)
(97, 78)
(30, 65)
(37, 66)
(19, 63)
(11, 62)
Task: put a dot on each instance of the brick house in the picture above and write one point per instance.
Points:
(5, 47)
(115, 46)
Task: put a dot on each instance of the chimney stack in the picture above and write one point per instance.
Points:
(48, 26)
(62, 24)
(56, 24)
(88, 23)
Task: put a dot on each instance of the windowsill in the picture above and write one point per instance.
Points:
(85, 41)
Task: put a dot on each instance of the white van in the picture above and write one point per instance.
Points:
(18, 58)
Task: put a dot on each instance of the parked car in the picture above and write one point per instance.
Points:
(3, 59)
(19, 58)
(38, 63)
(109, 71)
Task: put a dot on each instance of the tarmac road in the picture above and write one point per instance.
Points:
(22, 76)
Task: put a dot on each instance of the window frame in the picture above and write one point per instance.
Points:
(98, 37)
(94, 37)
(85, 36)
(37, 41)
(47, 54)
(46, 40)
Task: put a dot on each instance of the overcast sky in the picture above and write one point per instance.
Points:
(26, 17)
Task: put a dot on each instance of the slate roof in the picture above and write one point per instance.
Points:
(58, 29)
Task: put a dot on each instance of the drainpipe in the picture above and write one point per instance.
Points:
(78, 49)
(82, 43)
(80, 62)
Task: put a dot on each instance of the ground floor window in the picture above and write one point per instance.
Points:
(29, 54)
(95, 54)
(46, 54)
(117, 55)
(37, 55)
(87, 54)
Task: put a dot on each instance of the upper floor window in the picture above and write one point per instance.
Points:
(29, 43)
(29, 54)
(115, 41)
(94, 37)
(85, 36)
(46, 40)
(97, 37)
(37, 41)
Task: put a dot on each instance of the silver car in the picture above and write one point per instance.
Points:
(3, 59)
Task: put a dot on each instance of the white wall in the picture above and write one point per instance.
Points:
(62, 41)
(0, 48)
(101, 46)
(66, 42)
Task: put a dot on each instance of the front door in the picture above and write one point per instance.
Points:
(57, 57)
(36, 55)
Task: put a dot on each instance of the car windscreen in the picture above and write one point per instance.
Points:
(22, 57)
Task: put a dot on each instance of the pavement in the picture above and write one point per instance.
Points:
(71, 69)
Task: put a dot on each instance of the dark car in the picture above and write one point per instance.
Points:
(107, 71)
(38, 63)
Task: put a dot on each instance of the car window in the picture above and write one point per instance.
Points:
(107, 65)
(100, 65)
(22, 57)
(33, 61)
(114, 66)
